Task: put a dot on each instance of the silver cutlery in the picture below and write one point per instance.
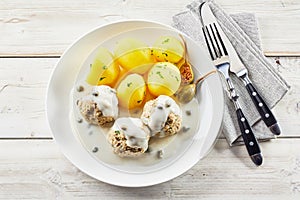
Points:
(238, 68)
(219, 55)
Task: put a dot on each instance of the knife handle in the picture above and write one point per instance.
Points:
(249, 138)
(264, 111)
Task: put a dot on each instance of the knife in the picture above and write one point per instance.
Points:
(238, 68)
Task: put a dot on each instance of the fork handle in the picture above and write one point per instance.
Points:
(264, 111)
(246, 131)
(249, 138)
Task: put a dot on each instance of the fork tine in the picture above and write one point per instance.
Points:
(212, 43)
(221, 41)
(207, 43)
(219, 52)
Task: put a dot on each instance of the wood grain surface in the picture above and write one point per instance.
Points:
(48, 27)
(33, 36)
(35, 169)
(23, 83)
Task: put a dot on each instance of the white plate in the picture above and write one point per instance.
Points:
(58, 107)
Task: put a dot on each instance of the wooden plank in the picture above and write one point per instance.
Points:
(35, 169)
(277, 20)
(288, 109)
(23, 84)
(48, 27)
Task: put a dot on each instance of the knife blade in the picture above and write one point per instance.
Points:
(239, 69)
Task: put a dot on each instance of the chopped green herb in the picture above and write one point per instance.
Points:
(177, 79)
(165, 54)
(159, 74)
(165, 41)
(139, 101)
(102, 78)
(117, 132)
(104, 67)
(159, 66)
(91, 65)
(129, 84)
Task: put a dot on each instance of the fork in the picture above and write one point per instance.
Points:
(219, 55)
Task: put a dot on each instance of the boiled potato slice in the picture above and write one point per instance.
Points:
(133, 55)
(104, 70)
(168, 48)
(163, 79)
(131, 91)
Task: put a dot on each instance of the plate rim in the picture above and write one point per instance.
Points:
(75, 160)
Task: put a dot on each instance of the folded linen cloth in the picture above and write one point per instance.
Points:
(242, 31)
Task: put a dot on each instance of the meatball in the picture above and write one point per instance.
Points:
(163, 116)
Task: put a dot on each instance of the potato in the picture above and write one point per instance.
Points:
(163, 79)
(131, 91)
(133, 55)
(104, 70)
(168, 48)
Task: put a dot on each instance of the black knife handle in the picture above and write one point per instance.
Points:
(249, 138)
(264, 111)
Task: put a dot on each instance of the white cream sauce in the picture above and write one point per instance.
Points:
(158, 115)
(136, 133)
(106, 99)
(92, 136)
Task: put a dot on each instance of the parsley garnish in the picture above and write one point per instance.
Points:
(102, 78)
(166, 40)
(159, 74)
(104, 67)
(129, 84)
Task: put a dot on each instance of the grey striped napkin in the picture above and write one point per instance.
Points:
(242, 31)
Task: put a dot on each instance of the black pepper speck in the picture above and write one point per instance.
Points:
(188, 112)
(80, 88)
(160, 154)
(185, 129)
(160, 107)
(95, 149)
(95, 94)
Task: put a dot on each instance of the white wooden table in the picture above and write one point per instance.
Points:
(33, 36)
